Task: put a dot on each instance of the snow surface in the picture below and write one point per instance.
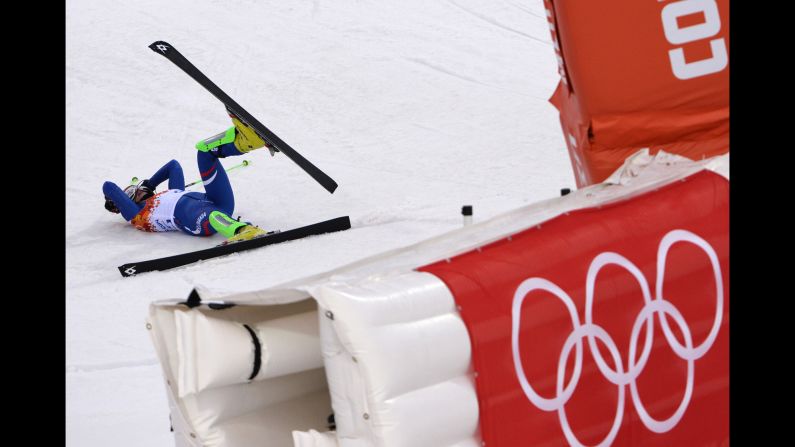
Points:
(414, 107)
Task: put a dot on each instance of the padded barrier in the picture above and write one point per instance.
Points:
(396, 357)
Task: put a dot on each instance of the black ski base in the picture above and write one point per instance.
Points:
(169, 262)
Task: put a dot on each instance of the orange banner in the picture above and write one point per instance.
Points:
(640, 74)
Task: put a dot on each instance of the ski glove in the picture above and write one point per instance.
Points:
(110, 206)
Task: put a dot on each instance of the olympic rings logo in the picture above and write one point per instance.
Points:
(653, 306)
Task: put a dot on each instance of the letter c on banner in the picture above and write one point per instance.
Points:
(680, 36)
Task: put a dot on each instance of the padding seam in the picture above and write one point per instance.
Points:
(257, 352)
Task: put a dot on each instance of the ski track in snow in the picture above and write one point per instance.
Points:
(472, 11)
(443, 70)
(415, 108)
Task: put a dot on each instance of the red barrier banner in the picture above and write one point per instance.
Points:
(640, 74)
(606, 325)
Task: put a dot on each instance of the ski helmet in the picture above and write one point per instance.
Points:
(139, 193)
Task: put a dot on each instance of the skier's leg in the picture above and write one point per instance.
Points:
(216, 182)
(237, 140)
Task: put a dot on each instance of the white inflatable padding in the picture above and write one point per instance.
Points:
(164, 336)
(409, 356)
(290, 344)
(210, 352)
(314, 438)
(439, 415)
(347, 389)
(642, 162)
(398, 323)
(214, 352)
(395, 299)
(252, 315)
(161, 328)
(273, 425)
(243, 414)
(398, 368)
(210, 408)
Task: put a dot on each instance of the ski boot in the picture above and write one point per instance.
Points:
(234, 230)
(244, 138)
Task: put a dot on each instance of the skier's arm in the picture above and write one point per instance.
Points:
(127, 207)
(171, 171)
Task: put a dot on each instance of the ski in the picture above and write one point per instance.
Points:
(171, 53)
(169, 262)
